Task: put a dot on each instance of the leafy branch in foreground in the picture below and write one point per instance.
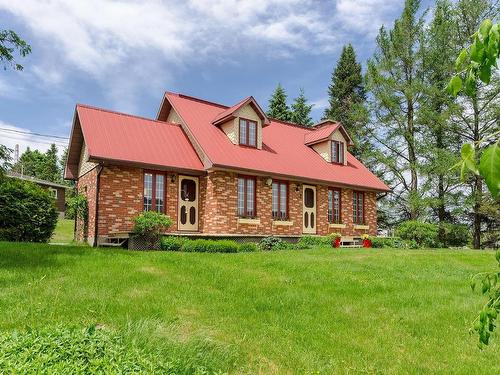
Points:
(9, 42)
(489, 282)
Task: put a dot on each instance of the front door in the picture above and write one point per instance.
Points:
(188, 203)
(309, 209)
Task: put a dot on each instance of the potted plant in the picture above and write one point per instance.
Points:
(335, 239)
(367, 242)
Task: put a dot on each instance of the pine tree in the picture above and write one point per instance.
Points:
(347, 98)
(51, 170)
(301, 111)
(394, 78)
(278, 109)
(436, 106)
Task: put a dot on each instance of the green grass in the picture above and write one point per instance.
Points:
(314, 311)
(64, 231)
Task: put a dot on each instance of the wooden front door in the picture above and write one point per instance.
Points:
(309, 209)
(188, 203)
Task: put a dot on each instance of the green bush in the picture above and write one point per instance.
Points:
(151, 225)
(210, 246)
(77, 207)
(272, 243)
(172, 243)
(306, 242)
(423, 234)
(247, 247)
(456, 234)
(393, 242)
(27, 212)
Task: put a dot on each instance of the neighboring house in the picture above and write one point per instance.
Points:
(58, 191)
(218, 171)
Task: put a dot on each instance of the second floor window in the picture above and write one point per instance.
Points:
(334, 204)
(338, 152)
(246, 197)
(280, 200)
(154, 192)
(358, 206)
(248, 133)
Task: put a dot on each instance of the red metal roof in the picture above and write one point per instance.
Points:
(120, 137)
(283, 153)
(229, 112)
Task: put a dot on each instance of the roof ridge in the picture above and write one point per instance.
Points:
(198, 99)
(292, 124)
(121, 113)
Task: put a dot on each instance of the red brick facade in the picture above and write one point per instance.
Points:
(121, 199)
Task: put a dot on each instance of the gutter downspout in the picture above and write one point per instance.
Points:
(96, 219)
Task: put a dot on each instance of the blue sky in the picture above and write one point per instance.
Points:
(123, 55)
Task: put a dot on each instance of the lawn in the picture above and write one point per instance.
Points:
(314, 311)
(64, 231)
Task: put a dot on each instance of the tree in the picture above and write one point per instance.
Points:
(43, 166)
(347, 97)
(278, 109)
(9, 43)
(301, 111)
(436, 106)
(4, 159)
(479, 103)
(394, 79)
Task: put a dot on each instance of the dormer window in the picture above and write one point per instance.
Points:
(337, 152)
(248, 132)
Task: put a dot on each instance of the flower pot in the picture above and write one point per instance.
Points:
(367, 243)
(336, 242)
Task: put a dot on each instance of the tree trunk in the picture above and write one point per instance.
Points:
(478, 184)
(410, 139)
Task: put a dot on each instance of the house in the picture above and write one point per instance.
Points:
(58, 191)
(218, 171)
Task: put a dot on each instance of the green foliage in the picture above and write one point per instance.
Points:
(278, 109)
(308, 241)
(173, 243)
(151, 225)
(27, 212)
(424, 234)
(301, 111)
(45, 166)
(346, 97)
(272, 243)
(489, 282)
(9, 43)
(210, 246)
(5, 159)
(247, 247)
(489, 167)
(477, 62)
(68, 350)
(457, 235)
(393, 243)
(77, 206)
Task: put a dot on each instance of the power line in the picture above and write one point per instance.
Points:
(35, 134)
(44, 141)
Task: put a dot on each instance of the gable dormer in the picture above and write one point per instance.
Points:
(330, 140)
(243, 123)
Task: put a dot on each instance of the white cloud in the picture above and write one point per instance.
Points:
(10, 136)
(320, 104)
(366, 16)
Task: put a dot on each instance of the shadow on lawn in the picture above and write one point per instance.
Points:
(22, 255)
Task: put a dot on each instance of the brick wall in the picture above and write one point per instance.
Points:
(121, 199)
(86, 185)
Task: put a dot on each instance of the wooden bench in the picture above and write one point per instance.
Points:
(349, 241)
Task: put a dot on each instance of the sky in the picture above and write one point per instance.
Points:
(123, 55)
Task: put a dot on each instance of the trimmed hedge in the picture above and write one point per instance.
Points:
(248, 247)
(306, 242)
(172, 243)
(424, 234)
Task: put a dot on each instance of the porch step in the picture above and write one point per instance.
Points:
(114, 240)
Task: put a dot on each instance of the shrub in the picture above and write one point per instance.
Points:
(248, 247)
(306, 242)
(423, 234)
(151, 225)
(272, 243)
(210, 246)
(27, 213)
(172, 243)
(77, 207)
(456, 234)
